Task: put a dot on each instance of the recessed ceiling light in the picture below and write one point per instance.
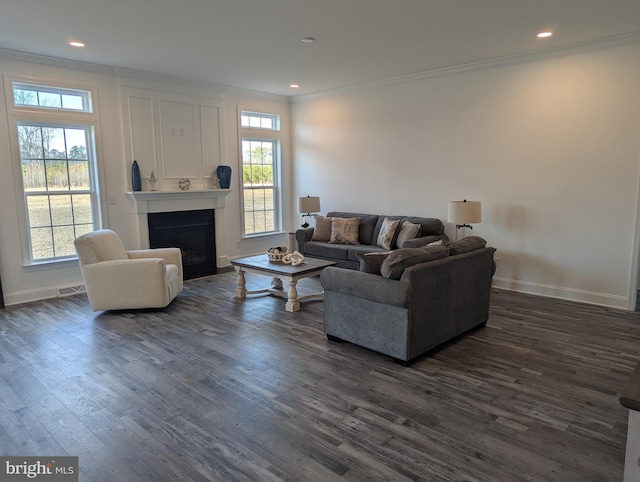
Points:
(545, 34)
(76, 43)
(308, 40)
(294, 86)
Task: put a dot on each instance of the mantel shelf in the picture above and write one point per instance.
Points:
(168, 201)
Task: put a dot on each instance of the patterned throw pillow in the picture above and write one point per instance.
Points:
(344, 230)
(322, 231)
(407, 231)
(387, 230)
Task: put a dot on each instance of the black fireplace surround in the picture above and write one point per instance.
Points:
(191, 231)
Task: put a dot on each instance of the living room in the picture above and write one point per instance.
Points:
(547, 140)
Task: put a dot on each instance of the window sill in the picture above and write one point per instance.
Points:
(51, 263)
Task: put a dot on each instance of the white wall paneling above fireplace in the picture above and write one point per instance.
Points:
(175, 136)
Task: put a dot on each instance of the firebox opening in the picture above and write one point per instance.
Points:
(191, 231)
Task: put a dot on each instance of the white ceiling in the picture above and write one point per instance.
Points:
(256, 44)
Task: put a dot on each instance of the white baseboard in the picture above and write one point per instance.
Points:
(569, 294)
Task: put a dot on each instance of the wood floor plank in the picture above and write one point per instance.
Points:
(214, 388)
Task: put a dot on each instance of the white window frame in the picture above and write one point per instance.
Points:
(50, 117)
(266, 135)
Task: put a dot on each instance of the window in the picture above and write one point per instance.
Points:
(58, 169)
(51, 97)
(258, 185)
(260, 121)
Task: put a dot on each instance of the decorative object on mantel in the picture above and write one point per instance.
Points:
(184, 184)
(277, 253)
(152, 181)
(308, 205)
(136, 178)
(224, 175)
(464, 213)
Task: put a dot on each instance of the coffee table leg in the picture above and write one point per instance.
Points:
(292, 302)
(241, 288)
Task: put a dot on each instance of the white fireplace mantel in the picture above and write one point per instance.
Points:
(144, 202)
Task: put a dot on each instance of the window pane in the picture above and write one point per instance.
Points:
(33, 175)
(76, 140)
(53, 143)
(74, 102)
(41, 243)
(79, 174)
(25, 97)
(61, 212)
(83, 229)
(57, 175)
(38, 211)
(30, 139)
(63, 237)
(82, 209)
(48, 99)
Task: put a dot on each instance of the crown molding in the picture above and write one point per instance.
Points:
(592, 45)
(125, 74)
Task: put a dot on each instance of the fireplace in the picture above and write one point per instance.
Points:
(191, 231)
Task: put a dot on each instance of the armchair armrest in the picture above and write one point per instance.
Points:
(366, 286)
(169, 255)
(126, 275)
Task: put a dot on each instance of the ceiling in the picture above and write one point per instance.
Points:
(256, 44)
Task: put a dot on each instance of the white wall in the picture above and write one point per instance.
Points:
(26, 283)
(550, 146)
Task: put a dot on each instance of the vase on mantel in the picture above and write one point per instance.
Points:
(136, 178)
(224, 176)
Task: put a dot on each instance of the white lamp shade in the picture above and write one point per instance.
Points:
(464, 212)
(309, 204)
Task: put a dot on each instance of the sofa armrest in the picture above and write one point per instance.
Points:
(302, 236)
(365, 286)
(169, 255)
(423, 241)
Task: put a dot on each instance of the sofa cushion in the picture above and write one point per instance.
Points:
(408, 230)
(387, 232)
(470, 243)
(326, 250)
(372, 262)
(344, 230)
(322, 231)
(366, 228)
(402, 258)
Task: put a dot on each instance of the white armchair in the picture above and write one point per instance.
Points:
(117, 279)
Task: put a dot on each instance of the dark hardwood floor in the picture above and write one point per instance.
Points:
(217, 389)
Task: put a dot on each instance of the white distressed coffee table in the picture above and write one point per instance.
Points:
(279, 271)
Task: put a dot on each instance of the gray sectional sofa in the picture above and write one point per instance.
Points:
(427, 297)
(346, 255)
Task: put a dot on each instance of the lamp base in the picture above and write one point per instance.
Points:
(305, 225)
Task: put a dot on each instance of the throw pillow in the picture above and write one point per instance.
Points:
(371, 262)
(407, 231)
(403, 258)
(344, 230)
(322, 231)
(465, 245)
(387, 231)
